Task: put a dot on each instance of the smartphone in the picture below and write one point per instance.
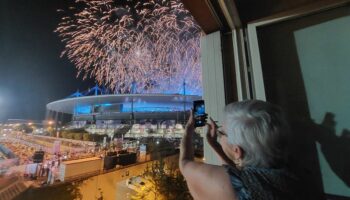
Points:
(199, 113)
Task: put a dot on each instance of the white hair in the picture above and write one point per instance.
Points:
(260, 129)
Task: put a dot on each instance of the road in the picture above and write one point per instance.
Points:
(123, 192)
(110, 185)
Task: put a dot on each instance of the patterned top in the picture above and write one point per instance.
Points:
(252, 183)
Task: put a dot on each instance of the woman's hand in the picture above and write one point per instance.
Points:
(186, 145)
(212, 133)
(189, 128)
(212, 140)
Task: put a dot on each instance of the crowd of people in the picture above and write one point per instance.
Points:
(22, 151)
(46, 170)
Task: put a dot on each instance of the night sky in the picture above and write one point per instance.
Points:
(32, 73)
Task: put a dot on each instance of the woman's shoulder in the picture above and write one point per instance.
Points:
(265, 183)
(200, 177)
(267, 173)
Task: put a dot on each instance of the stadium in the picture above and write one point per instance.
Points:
(137, 115)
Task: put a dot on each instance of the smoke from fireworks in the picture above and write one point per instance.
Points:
(153, 43)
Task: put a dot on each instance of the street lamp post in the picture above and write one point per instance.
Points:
(184, 97)
(133, 91)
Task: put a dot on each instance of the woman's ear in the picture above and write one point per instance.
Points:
(237, 152)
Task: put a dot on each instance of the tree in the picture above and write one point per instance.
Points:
(77, 136)
(51, 131)
(163, 182)
(64, 134)
(69, 135)
(86, 137)
(56, 192)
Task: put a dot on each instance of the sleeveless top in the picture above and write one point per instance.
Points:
(252, 183)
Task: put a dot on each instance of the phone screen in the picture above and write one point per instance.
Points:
(199, 113)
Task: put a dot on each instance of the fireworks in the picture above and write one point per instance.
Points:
(153, 43)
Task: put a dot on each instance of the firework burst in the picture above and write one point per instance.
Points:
(154, 43)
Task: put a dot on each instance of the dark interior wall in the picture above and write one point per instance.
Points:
(229, 68)
(250, 10)
(284, 85)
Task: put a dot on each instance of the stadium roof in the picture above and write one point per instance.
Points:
(156, 101)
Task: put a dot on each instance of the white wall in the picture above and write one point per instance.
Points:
(213, 84)
(323, 52)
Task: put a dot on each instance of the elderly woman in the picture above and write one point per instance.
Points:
(252, 146)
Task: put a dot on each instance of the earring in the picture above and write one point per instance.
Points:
(238, 162)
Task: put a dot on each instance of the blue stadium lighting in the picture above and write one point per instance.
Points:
(151, 107)
(104, 104)
(138, 106)
(192, 92)
(82, 110)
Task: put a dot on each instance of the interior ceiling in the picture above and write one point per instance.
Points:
(203, 14)
(251, 10)
(209, 15)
